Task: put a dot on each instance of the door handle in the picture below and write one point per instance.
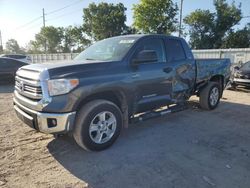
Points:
(167, 69)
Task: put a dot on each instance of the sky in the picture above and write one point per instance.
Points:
(22, 19)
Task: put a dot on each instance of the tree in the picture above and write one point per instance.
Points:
(201, 23)
(128, 30)
(1, 49)
(238, 39)
(207, 30)
(104, 20)
(50, 35)
(67, 39)
(12, 46)
(33, 47)
(74, 39)
(155, 16)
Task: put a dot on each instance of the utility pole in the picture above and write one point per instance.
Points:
(180, 29)
(1, 43)
(45, 43)
(43, 18)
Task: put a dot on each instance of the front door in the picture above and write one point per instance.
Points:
(153, 80)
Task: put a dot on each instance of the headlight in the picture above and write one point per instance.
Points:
(61, 86)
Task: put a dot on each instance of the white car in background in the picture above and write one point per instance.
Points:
(20, 57)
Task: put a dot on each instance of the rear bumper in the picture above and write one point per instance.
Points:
(45, 122)
(243, 82)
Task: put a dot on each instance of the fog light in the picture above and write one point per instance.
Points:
(52, 122)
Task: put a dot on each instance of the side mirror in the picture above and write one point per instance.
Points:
(145, 56)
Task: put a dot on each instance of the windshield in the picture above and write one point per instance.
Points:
(112, 49)
(246, 66)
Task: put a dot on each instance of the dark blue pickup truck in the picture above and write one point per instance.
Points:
(111, 82)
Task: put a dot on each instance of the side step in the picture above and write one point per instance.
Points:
(158, 113)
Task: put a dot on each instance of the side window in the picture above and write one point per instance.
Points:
(156, 45)
(16, 64)
(3, 63)
(175, 50)
(7, 63)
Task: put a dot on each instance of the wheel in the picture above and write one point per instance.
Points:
(98, 125)
(233, 86)
(58, 135)
(210, 96)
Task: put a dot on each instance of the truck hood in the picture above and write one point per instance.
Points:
(71, 68)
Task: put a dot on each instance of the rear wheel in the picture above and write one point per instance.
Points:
(98, 125)
(233, 86)
(210, 96)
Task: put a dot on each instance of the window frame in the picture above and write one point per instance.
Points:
(167, 52)
(141, 42)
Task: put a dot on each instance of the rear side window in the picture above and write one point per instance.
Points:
(175, 51)
(155, 44)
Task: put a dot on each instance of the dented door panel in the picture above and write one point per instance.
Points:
(184, 69)
(183, 80)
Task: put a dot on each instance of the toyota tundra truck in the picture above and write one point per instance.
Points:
(94, 96)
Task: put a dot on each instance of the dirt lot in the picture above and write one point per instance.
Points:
(193, 148)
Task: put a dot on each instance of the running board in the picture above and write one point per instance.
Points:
(157, 113)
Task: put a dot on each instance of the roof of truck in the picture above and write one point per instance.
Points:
(146, 35)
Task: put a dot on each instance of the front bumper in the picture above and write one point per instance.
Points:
(240, 81)
(45, 122)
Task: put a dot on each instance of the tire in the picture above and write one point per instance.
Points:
(210, 96)
(233, 86)
(98, 125)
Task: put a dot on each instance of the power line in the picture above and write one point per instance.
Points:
(62, 15)
(57, 10)
(40, 17)
(33, 26)
(30, 22)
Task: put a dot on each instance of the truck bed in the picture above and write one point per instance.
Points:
(208, 67)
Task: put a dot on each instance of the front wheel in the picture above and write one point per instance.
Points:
(210, 96)
(233, 86)
(98, 125)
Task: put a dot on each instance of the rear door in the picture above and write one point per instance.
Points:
(152, 80)
(184, 69)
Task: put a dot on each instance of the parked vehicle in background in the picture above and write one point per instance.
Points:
(241, 75)
(20, 57)
(8, 68)
(112, 81)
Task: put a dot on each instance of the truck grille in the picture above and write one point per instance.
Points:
(29, 88)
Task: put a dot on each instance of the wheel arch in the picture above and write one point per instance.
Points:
(219, 79)
(215, 78)
(115, 96)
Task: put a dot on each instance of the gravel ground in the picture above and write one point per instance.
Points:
(192, 148)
